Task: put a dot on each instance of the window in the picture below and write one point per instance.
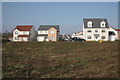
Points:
(16, 32)
(96, 36)
(45, 31)
(88, 37)
(96, 31)
(16, 38)
(25, 32)
(52, 32)
(51, 38)
(103, 31)
(103, 37)
(89, 24)
(89, 31)
(102, 24)
(41, 31)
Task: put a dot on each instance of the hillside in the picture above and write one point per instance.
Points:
(60, 60)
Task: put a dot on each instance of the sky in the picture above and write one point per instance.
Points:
(68, 15)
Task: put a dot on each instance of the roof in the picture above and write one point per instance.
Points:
(23, 35)
(96, 22)
(24, 27)
(47, 27)
(117, 29)
(80, 32)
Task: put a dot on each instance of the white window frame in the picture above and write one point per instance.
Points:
(102, 37)
(103, 31)
(52, 38)
(89, 31)
(52, 32)
(45, 31)
(24, 32)
(89, 24)
(41, 31)
(16, 32)
(96, 31)
(16, 38)
(102, 24)
(90, 37)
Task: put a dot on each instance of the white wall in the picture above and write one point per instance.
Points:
(42, 31)
(85, 33)
(40, 38)
(15, 35)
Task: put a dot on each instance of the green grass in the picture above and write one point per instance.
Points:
(60, 60)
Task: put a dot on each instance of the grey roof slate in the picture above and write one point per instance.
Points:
(96, 22)
(47, 27)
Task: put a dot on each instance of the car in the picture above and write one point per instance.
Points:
(78, 39)
(64, 38)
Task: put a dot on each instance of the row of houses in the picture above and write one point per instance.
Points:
(28, 33)
(93, 30)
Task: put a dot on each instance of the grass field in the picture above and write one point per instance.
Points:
(60, 60)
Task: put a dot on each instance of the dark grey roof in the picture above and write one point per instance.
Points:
(47, 27)
(42, 34)
(96, 22)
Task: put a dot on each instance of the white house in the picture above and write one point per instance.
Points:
(24, 33)
(48, 33)
(98, 29)
(77, 34)
(115, 32)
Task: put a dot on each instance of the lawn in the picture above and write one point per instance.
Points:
(60, 60)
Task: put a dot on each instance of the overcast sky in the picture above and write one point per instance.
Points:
(68, 15)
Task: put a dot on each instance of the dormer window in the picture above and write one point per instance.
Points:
(89, 24)
(102, 24)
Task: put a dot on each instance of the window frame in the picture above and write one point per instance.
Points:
(103, 31)
(103, 24)
(24, 32)
(16, 32)
(16, 38)
(102, 37)
(45, 31)
(89, 31)
(96, 31)
(52, 38)
(90, 37)
(89, 24)
(52, 32)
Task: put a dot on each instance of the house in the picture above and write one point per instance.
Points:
(77, 34)
(113, 34)
(117, 33)
(48, 33)
(24, 33)
(98, 29)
